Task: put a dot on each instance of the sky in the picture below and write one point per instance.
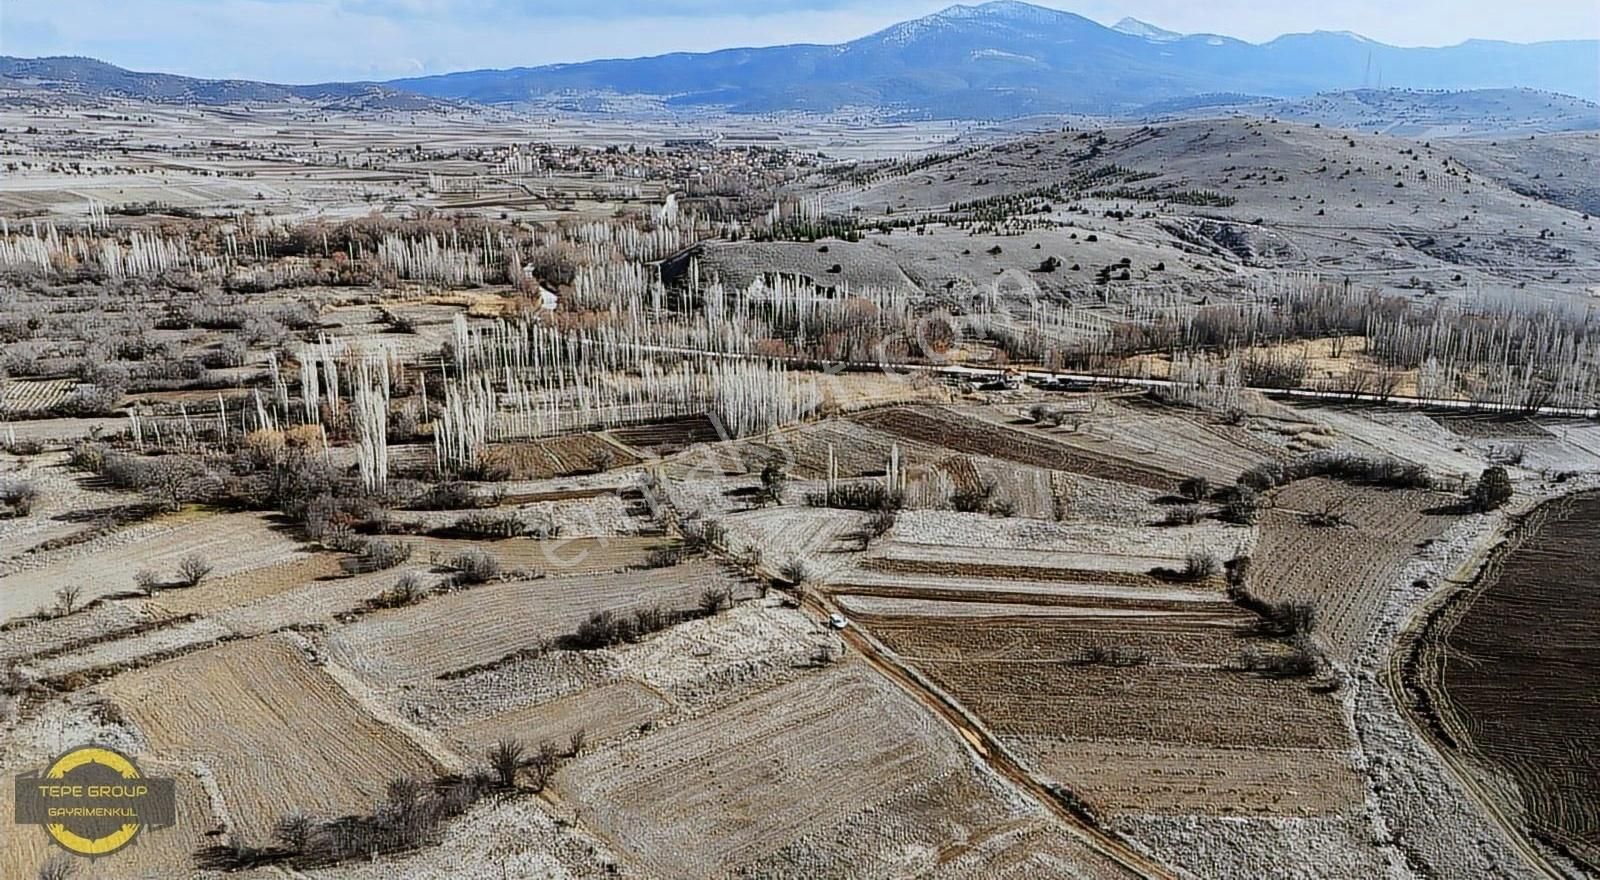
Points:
(301, 41)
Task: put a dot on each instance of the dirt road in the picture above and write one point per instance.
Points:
(1132, 862)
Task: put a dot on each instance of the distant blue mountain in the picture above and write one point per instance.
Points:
(1008, 58)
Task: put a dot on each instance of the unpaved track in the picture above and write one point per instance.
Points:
(1130, 861)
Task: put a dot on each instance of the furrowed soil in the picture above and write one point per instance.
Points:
(278, 733)
(834, 774)
(1509, 667)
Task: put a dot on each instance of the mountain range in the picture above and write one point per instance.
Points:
(1001, 59)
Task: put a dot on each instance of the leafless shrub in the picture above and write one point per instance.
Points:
(1198, 566)
(1117, 656)
(486, 524)
(702, 536)
(1183, 515)
(1299, 661)
(1326, 516)
(794, 571)
(974, 498)
(475, 566)
(376, 554)
(506, 758)
(193, 569)
(870, 495)
(293, 830)
(408, 590)
(147, 581)
(1349, 467)
(18, 497)
(663, 557)
(1195, 489)
(713, 601)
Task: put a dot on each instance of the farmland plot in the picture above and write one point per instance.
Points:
(1405, 435)
(232, 542)
(1509, 666)
(1124, 549)
(295, 739)
(1295, 560)
(601, 713)
(501, 838)
(1172, 441)
(30, 637)
(817, 536)
(484, 624)
(1172, 728)
(552, 556)
(557, 457)
(947, 428)
(26, 396)
(836, 773)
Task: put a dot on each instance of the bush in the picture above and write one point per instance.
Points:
(1492, 490)
(663, 557)
(1350, 467)
(485, 524)
(1241, 508)
(91, 400)
(25, 446)
(1298, 662)
(452, 495)
(773, 481)
(376, 554)
(18, 497)
(1184, 515)
(1195, 488)
(193, 569)
(702, 536)
(793, 572)
(859, 495)
(1198, 566)
(475, 566)
(408, 590)
(972, 499)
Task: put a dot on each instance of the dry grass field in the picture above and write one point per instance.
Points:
(296, 739)
(790, 783)
(1347, 569)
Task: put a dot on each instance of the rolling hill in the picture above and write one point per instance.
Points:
(87, 78)
(1008, 59)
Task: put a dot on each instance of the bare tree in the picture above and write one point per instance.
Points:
(193, 569)
(67, 599)
(147, 581)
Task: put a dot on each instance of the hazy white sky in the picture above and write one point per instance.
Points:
(311, 40)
